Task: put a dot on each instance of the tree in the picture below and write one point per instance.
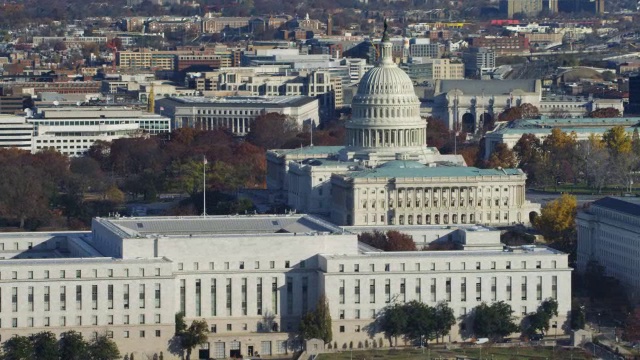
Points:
(493, 321)
(605, 113)
(45, 346)
(24, 192)
(420, 322)
(103, 348)
(17, 348)
(539, 321)
(594, 162)
(316, 324)
(397, 241)
(617, 141)
(72, 346)
(392, 240)
(181, 325)
(444, 320)
(271, 130)
(578, 316)
(557, 221)
(632, 326)
(635, 142)
(502, 157)
(195, 335)
(393, 322)
(523, 111)
(528, 152)
(608, 75)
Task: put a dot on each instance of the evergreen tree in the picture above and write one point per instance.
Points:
(45, 346)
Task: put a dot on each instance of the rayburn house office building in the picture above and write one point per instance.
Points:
(251, 278)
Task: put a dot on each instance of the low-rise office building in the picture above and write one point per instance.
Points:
(235, 112)
(608, 232)
(15, 132)
(510, 133)
(252, 278)
(73, 130)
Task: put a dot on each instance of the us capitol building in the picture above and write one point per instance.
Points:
(386, 175)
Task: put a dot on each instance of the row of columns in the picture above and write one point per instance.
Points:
(235, 125)
(386, 138)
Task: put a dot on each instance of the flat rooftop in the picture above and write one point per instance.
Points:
(218, 225)
(527, 250)
(293, 100)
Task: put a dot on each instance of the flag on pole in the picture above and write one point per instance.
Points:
(205, 160)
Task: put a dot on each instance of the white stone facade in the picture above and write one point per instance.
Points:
(235, 113)
(251, 278)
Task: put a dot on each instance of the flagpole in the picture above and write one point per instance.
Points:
(204, 187)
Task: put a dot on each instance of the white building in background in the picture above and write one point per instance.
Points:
(608, 233)
(15, 132)
(510, 133)
(72, 130)
(251, 278)
(235, 112)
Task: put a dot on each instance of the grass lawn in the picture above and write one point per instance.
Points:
(495, 353)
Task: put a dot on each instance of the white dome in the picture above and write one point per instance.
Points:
(385, 80)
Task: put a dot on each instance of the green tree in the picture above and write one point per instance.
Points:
(635, 142)
(181, 325)
(45, 346)
(393, 322)
(72, 346)
(317, 323)
(493, 321)
(539, 321)
(444, 320)
(17, 348)
(557, 222)
(578, 316)
(195, 335)
(103, 348)
(420, 321)
(608, 75)
(617, 141)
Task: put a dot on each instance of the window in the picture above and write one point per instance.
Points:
(157, 333)
(272, 264)
(109, 319)
(125, 334)
(341, 268)
(341, 328)
(524, 288)
(125, 319)
(141, 319)
(372, 291)
(538, 264)
(387, 267)
(142, 334)
(78, 274)
(241, 265)
(287, 264)
(387, 291)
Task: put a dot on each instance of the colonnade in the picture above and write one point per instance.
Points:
(235, 125)
(386, 137)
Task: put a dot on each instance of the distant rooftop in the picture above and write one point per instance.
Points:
(430, 172)
(578, 125)
(293, 100)
(215, 225)
(487, 87)
(627, 205)
(309, 150)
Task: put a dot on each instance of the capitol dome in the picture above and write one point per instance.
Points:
(385, 117)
